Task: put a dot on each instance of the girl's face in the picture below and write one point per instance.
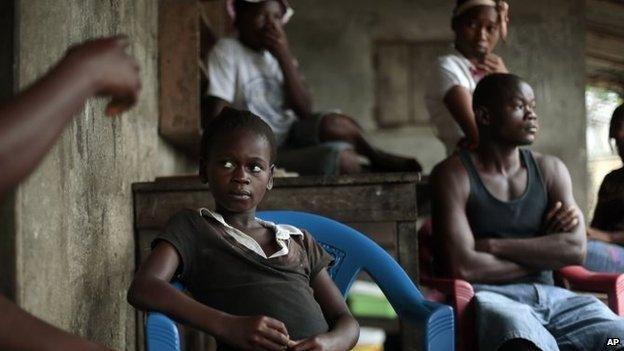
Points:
(477, 31)
(239, 171)
(618, 137)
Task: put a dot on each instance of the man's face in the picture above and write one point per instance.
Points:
(477, 31)
(515, 122)
(252, 22)
(239, 171)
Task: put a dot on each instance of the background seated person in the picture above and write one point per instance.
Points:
(606, 232)
(478, 24)
(489, 207)
(255, 285)
(257, 72)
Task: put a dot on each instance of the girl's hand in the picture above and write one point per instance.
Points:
(492, 63)
(598, 235)
(255, 332)
(321, 342)
(468, 143)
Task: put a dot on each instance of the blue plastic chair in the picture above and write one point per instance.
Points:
(353, 252)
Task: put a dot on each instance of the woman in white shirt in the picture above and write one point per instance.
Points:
(478, 25)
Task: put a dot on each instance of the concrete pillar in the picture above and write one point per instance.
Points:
(73, 216)
(7, 204)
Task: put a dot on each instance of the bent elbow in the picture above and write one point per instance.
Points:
(577, 256)
(572, 256)
(576, 252)
(131, 296)
(134, 295)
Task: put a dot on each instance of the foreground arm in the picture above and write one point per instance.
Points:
(454, 238)
(32, 121)
(550, 250)
(458, 101)
(20, 331)
(29, 125)
(343, 328)
(151, 290)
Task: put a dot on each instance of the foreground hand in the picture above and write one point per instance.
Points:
(315, 343)
(492, 63)
(114, 73)
(256, 332)
(275, 40)
(561, 219)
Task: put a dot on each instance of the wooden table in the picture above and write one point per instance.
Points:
(382, 206)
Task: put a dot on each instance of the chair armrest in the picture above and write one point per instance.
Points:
(434, 320)
(460, 292)
(161, 333)
(579, 278)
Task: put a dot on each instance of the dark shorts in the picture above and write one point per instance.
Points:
(305, 154)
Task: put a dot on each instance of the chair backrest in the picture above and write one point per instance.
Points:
(353, 252)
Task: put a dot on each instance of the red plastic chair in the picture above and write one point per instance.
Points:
(458, 293)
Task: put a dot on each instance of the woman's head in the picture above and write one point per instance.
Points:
(478, 25)
(616, 129)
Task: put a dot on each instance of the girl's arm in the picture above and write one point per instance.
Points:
(344, 329)
(151, 290)
(458, 100)
(615, 237)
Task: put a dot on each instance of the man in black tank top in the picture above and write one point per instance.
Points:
(503, 219)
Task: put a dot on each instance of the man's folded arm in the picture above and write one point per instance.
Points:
(548, 250)
(455, 243)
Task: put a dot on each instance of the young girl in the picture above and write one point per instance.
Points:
(606, 232)
(254, 284)
(478, 25)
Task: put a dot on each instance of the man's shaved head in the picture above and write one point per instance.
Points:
(494, 90)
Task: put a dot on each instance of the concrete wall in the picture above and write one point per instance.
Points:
(74, 218)
(334, 42)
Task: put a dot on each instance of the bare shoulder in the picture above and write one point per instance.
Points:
(552, 167)
(450, 176)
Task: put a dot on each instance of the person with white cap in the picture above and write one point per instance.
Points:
(478, 25)
(257, 71)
